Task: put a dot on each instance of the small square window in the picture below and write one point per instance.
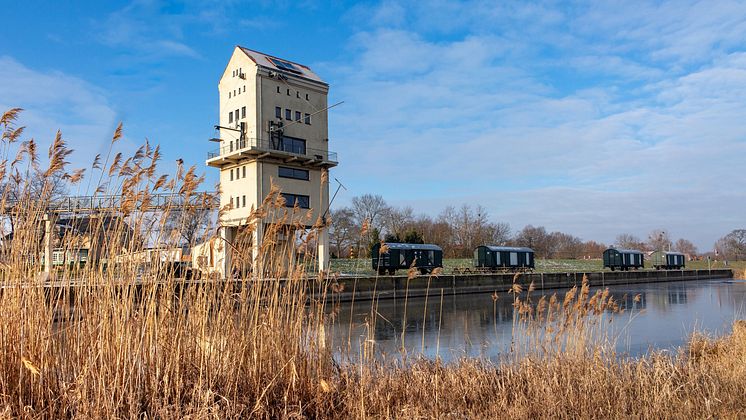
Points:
(288, 114)
(297, 115)
(308, 119)
(306, 96)
(230, 117)
(229, 95)
(243, 112)
(236, 115)
(278, 112)
(297, 94)
(278, 89)
(288, 92)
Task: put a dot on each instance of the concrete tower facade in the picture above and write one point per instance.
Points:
(273, 129)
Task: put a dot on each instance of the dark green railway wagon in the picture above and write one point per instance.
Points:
(424, 257)
(667, 260)
(623, 259)
(499, 257)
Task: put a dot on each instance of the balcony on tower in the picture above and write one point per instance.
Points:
(285, 149)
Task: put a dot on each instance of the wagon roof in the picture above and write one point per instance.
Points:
(672, 253)
(398, 245)
(625, 251)
(508, 248)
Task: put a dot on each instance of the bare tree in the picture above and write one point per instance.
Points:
(398, 220)
(498, 233)
(593, 249)
(686, 247)
(535, 238)
(565, 245)
(370, 208)
(733, 245)
(190, 224)
(628, 241)
(658, 240)
(343, 230)
(469, 228)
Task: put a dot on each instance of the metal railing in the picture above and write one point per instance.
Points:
(273, 146)
(173, 201)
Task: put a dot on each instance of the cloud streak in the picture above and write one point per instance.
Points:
(570, 118)
(55, 100)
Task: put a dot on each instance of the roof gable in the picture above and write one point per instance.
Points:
(281, 65)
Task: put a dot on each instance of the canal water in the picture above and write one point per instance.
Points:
(476, 325)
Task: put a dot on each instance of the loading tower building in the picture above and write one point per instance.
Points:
(273, 129)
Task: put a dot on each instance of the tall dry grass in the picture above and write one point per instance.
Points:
(113, 339)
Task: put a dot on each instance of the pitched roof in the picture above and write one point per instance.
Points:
(400, 245)
(508, 248)
(625, 251)
(281, 65)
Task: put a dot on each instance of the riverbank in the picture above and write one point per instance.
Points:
(705, 380)
(362, 266)
(360, 288)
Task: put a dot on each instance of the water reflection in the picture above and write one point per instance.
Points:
(663, 317)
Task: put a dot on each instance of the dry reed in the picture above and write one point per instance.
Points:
(125, 339)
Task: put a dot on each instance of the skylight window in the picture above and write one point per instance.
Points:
(284, 65)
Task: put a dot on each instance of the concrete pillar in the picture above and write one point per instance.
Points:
(323, 250)
(227, 236)
(257, 266)
(323, 244)
(48, 241)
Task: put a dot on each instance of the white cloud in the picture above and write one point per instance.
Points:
(134, 28)
(53, 100)
(572, 119)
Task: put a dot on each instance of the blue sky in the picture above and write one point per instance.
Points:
(593, 118)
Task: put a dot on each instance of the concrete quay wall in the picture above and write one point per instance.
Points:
(391, 287)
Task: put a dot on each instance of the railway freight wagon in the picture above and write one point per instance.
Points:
(623, 259)
(397, 256)
(503, 258)
(667, 260)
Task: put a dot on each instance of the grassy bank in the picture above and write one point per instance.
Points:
(362, 265)
(132, 343)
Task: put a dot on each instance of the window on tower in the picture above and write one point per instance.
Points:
(294, 173)
(292, 145)
(291, 200)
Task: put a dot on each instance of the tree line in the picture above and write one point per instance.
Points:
(458, 230)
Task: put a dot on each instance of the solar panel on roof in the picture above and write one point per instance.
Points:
(284, 65)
